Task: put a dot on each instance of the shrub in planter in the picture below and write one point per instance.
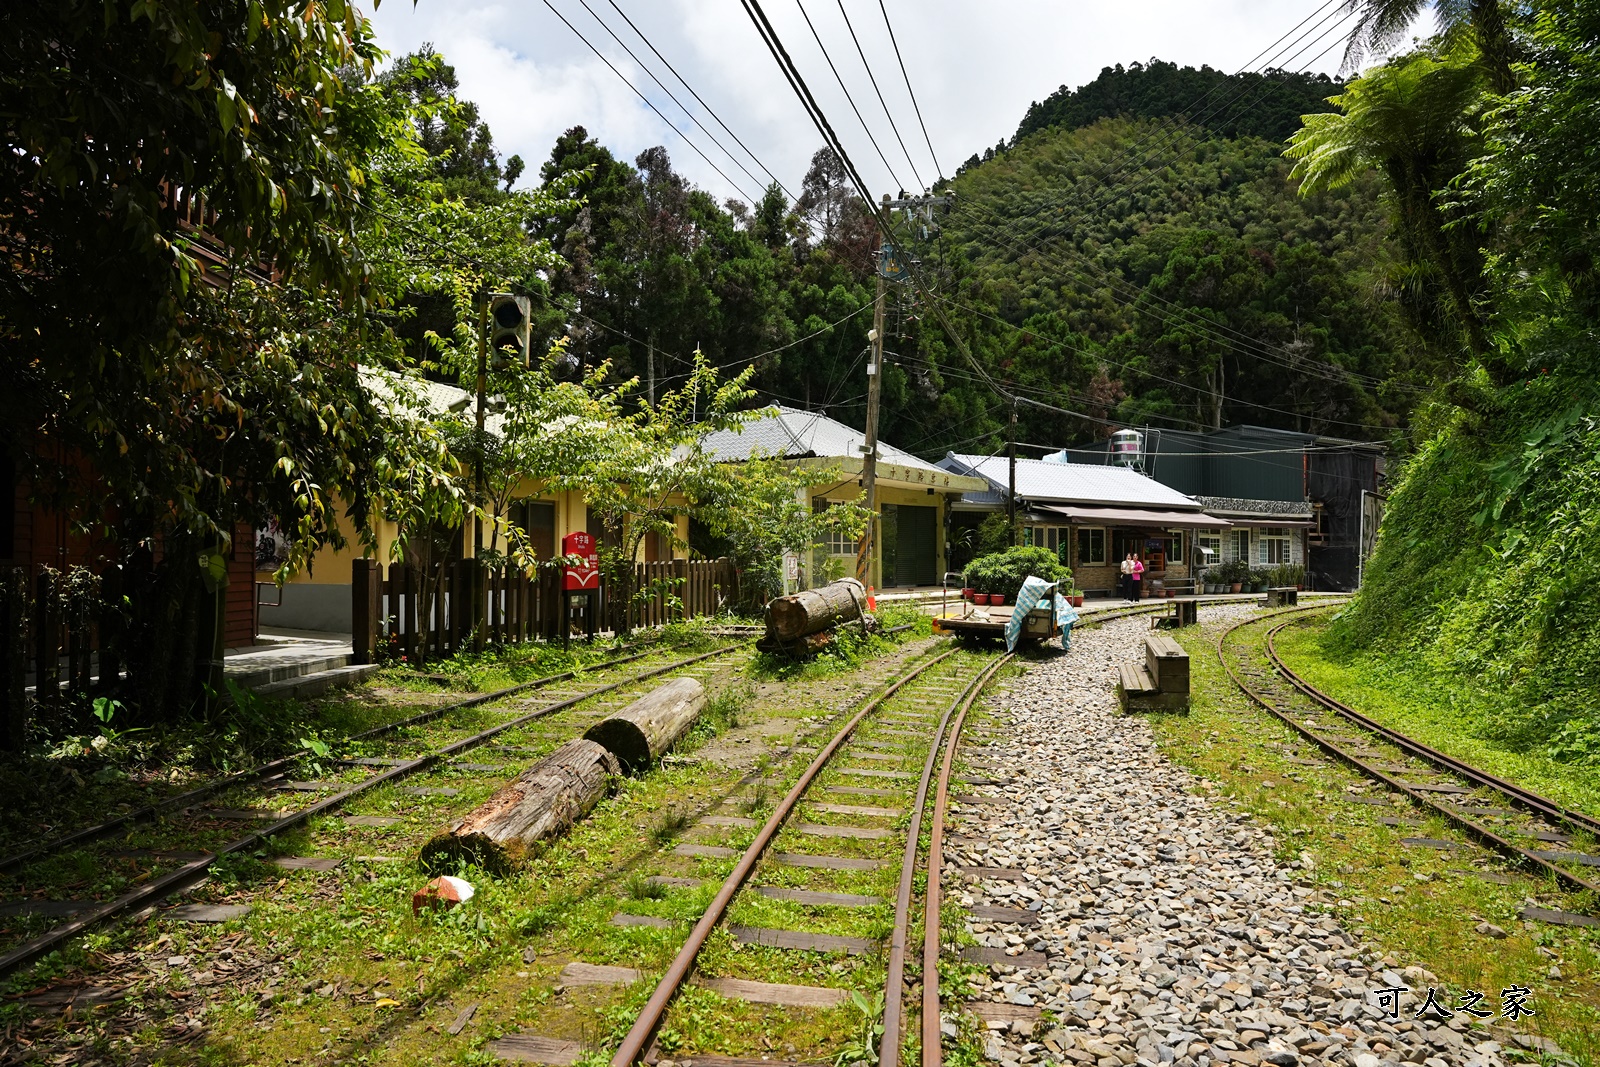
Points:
(1004, 572)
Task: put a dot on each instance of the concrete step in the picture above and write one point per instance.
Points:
(315, 684)
(275, 663)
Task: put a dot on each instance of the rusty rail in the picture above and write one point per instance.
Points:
(932, 1044)
(1480, 833)
(272, 767)
(1546, 809)
(894, 979)
(637, 1041)
(192, 872)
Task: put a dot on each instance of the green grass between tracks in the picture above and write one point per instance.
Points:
(1417, 906)
(399, 980)
(1444, 712)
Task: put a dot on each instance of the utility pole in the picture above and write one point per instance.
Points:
(480, 604)
(890, 268)
(1011, 496)
(651, 388)
(869, 463)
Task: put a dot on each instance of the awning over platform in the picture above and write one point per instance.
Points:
(1269, 520)
(1197, 520)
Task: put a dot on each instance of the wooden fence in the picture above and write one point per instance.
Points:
(405, 612)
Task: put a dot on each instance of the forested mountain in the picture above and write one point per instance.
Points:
(1201, 97)
(1139, 267)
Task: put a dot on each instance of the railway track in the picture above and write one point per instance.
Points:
(1533, 832)
(180, 841)
(919, 707)
(839, 851)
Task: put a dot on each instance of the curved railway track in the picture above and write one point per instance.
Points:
(919, 687)
(1533, 832)
(178, 820)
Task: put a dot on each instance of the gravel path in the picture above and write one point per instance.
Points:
(1171, 934)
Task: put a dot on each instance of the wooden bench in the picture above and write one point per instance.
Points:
(1161, 682)
(1282, 596)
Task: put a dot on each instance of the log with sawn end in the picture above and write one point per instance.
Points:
(641, 733)
(542, 802)
(798, 614)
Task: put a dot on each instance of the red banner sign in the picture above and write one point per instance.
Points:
(585, 574)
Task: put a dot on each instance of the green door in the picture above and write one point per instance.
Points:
(916, 546)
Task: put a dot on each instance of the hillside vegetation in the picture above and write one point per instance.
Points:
(1201, 96)
(1488, 567)
(1487, 562)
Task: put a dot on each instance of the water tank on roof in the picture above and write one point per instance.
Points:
(1127, 448)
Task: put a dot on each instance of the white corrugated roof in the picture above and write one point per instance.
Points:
(794, 433)
(1072, 483)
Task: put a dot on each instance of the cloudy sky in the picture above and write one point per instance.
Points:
(975, 67)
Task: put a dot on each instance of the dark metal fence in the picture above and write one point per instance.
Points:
(55, 626)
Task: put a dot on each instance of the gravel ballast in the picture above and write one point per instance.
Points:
(1170, 933)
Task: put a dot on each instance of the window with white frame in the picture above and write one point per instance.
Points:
(1274, 545)
(1241, 545)
(1050, 537)
(1176, 555)
(1092, 546)
(835, 541)
(1212, 541)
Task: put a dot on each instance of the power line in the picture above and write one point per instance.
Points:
(649, 103)
(909, 91)
(1200, 325)
(1189, 316)
(893, 126)
(651, 74)
(1168, 131)
(709, 110)
(848, 98)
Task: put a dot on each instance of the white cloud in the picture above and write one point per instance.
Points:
(975, 69)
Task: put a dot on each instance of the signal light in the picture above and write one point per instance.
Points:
(509, 330)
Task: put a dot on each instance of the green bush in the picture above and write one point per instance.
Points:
(1004, 572)
(1235, 570)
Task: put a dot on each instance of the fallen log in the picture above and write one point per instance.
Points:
(640, 733)
(798, 614)
(800, 647)
(542, 802)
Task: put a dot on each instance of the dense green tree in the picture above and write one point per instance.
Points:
(1538, 179)
(1411, 120)
(142, 355)
(1385, 23)
(1266, 104)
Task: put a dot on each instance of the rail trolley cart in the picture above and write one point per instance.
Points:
(1048, 616)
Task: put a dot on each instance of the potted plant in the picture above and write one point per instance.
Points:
(1001, 574)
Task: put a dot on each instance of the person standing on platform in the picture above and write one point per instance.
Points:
(1125, 579)
(1138, 578)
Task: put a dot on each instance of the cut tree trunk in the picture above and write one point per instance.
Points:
(809, 645)
(798, 614)
(639, 733)
(543, 802)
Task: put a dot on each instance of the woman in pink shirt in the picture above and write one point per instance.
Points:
(1138, 577)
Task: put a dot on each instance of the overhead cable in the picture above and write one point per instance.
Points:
(651, 104)
(909, 91)
(893, 126)
(650, 45)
